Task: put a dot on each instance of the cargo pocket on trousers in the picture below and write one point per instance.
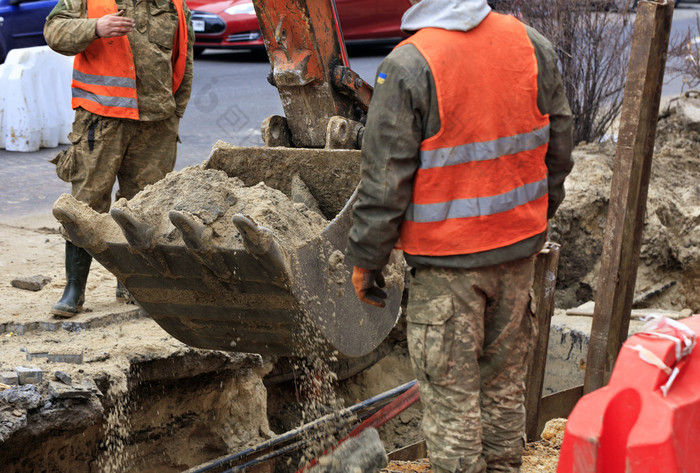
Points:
(65, 160)
(431, 337)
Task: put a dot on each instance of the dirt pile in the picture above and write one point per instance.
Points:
(213, 198)
(669, 269)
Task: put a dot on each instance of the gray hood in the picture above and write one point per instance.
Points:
(460, 15)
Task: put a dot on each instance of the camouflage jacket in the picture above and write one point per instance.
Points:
(403, 112)
(68, 31)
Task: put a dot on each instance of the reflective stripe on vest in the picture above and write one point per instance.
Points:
(82, 90)
(104, 77)
(482, 180)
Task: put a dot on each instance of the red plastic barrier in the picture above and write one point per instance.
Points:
(629, 426)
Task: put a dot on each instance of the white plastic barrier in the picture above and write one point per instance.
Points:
(35, 109)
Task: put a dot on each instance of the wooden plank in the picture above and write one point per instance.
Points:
(630, 182)
(587, 310)
(544, 287)
(557, 405)
(415, 451)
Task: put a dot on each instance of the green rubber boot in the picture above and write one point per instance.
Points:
(77, 268)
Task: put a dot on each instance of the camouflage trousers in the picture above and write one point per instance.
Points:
(106, 149)
(470, 333)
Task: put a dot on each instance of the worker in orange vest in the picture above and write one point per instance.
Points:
(467, 145)
(132, 79)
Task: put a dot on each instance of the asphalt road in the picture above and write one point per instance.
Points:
(230, 99)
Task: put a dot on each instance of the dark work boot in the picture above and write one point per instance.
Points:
(77, 268)
(123, 294)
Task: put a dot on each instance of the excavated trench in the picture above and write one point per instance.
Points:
(171, 413)
(142, 401)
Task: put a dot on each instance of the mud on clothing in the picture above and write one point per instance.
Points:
(470, 333)
(404, 111)
(105, 149)
(69, 31)
(470, 315)
(134, 152)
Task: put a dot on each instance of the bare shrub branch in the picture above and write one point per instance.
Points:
(684, 57)
(593, 46)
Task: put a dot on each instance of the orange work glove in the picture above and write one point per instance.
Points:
(367, 284)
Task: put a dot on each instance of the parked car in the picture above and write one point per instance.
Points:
(22, 24)
(232, 24)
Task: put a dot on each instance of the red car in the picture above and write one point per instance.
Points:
(232, 24)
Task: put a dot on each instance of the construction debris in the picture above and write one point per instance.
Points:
(31, 283)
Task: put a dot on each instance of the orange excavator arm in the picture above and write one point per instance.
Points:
(324, 101)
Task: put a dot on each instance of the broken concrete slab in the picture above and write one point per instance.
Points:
(21, 397)
(63, 391)
(31, 283)
(83, 322)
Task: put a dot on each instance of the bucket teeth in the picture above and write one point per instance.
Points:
(75, 231)
(192, 231)
(255, 238)
(198, 239)
(259, 241)
(138, 234)
(80, 229)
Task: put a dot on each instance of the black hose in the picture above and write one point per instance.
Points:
(368, 404)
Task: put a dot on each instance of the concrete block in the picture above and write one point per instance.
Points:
(29, 375)
(567, 352)
(9, 377)
(35, 109)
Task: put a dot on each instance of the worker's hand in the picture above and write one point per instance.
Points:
(113, 25)
(367, 284)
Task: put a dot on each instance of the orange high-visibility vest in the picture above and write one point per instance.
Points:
(104, 75)
(482, 179)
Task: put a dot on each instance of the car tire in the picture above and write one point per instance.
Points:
(197, 51)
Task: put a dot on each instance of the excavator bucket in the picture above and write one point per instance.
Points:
(217, 272)
(213, 278)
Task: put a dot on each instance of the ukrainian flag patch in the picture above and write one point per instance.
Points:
(381, 78)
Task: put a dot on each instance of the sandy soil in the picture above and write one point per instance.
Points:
(33, 246)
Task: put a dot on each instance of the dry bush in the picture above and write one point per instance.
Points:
(684, 57)
(592, 43)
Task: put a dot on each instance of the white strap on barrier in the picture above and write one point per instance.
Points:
(680, 334)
